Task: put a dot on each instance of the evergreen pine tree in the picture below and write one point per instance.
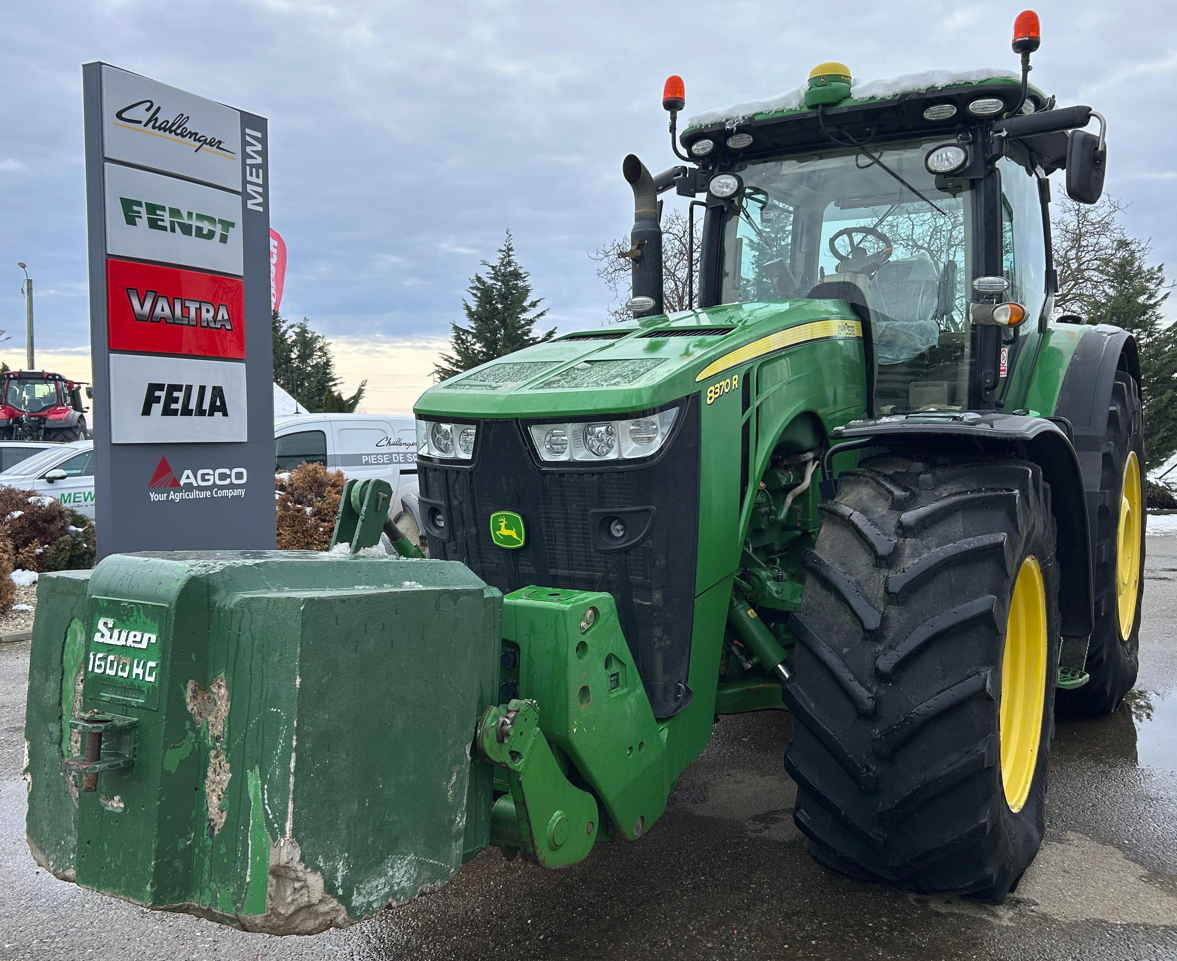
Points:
(305, 369)
(501, 314)
(1131, 297)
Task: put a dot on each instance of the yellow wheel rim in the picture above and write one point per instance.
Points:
(1023, 684)
(1128, 546)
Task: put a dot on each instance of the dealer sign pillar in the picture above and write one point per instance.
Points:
(178, 203)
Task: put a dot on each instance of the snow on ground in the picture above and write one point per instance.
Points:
(1161, 470)
(24, 578)
(1162, 523)
(20, 616)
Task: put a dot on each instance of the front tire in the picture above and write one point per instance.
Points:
(1113, 654)
(925, 670)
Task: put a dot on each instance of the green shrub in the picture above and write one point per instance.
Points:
(42, 535)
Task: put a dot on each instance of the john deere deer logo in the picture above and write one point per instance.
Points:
(506, 529)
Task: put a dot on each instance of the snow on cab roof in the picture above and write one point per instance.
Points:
(865, 90)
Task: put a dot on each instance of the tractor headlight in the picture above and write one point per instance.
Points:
(701, 148)
(600, 439)
(725, 186)
(986, 106)
(556, 442)
(940, 111)
(446, 441)
(604, 440)
(945, 159)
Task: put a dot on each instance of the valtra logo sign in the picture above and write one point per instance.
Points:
(167, 310)
(195, 483)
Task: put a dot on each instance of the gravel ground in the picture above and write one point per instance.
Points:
(16, 620)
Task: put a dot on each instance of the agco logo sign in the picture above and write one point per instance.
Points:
(204, 482)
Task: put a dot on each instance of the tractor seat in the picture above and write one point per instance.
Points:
(904, 297)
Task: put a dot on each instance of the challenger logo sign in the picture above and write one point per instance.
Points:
(145, 114)
(150, 124)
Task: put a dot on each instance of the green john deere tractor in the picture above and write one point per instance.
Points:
(865, 477)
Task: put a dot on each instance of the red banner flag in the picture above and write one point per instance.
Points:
(277, 268)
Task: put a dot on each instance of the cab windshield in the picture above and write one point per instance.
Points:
(874, 228)
(31, 395)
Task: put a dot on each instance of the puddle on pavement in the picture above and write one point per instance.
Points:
(1155, 719)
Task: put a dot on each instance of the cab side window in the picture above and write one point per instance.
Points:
(1023, 242)
(309, 446)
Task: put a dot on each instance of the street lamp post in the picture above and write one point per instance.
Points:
(28, 318)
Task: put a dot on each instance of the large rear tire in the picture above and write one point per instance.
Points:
(925, 671)
(1113, 654)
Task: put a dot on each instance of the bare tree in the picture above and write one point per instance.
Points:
(1084, 236)
(676, 254)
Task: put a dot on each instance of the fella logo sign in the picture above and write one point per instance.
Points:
(151, 217)
(153, 125)
(171, 399)
(165, 310)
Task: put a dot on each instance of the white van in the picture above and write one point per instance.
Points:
(359, 445)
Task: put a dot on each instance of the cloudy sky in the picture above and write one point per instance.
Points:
(407, 137)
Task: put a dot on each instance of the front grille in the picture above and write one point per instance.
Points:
(653, 583)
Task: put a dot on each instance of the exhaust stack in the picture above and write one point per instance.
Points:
(645, 251)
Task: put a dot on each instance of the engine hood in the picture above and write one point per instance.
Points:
(636, 366)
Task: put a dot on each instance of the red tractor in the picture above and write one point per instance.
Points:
(38, 405)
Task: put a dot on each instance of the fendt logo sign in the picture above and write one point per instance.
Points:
(152, 217)
(153, 125)
(195, 483)
(166, 310)
(156, 399)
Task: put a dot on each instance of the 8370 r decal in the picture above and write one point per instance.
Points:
(715, 391)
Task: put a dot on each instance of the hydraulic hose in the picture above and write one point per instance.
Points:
(401, 544)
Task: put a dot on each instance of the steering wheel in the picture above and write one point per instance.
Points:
(858, 259)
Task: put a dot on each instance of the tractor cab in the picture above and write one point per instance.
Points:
(921, 201)
(41, 405)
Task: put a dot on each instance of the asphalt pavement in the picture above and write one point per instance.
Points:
(724, 874)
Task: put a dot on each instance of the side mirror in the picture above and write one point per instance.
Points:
(55, 475)
(90, 392)
(1086, 163)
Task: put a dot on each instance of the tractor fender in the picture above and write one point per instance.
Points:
(1086, 394)
(1035, 439)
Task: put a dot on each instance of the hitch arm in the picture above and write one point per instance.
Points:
(552, 822)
